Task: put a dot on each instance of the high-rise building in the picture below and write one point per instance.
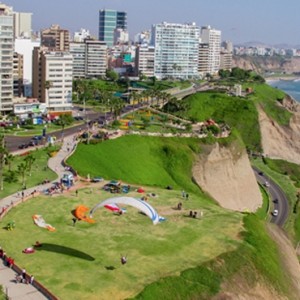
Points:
(25, 47)
(22, 24)
(121, 36)
(109, 20)
(18, 74)
(144, 61)
(89, 59)
(55, 38)
(212, 37)
(78, 52)
(6, 57)
(80, 36)
(176, 50)
(203, 68)
(96, 59)
(52, 78)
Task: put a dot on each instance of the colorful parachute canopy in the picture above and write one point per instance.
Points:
(80, 213)
(112, 207)
(39, 221)
(143, 206)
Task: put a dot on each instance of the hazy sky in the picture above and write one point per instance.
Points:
(268, 21)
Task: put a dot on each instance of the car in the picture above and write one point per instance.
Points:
(23, 146)
(275, 201)
(275, 213)
(32, 143)
(97, 179)
(267, 184)
(37, 138)
(261, 173)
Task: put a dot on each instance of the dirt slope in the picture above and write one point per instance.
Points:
(226, 174)
(278, 141)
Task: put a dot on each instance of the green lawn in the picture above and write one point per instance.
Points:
(254, 260)
(39, 172)
(142, 160)
(86, 258)
(236, 112)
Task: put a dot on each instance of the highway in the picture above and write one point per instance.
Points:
(278, 197)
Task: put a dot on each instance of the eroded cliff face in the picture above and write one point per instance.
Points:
(281, 142)
(262, 64)
(226, 175)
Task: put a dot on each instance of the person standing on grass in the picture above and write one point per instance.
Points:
(76, 192)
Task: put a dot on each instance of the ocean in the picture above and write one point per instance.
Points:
(291, 87)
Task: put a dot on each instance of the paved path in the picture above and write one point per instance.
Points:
(21, 291)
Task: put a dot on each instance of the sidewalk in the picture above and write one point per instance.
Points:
(21, 291)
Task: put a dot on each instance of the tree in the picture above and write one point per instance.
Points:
(116, 105)
(29, 160)
(8, 160)
(3, 153)
(112, 75)
(22, 169)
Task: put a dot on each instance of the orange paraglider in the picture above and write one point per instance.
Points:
(80, 214)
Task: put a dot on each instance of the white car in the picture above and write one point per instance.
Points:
(275, 213)
(267, 184)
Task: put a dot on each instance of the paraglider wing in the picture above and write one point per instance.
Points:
(143, 206)
(39, 221)
(112, 207)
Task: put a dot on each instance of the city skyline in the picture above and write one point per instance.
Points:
(270, 22)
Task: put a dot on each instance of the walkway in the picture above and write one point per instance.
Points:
(21, 291)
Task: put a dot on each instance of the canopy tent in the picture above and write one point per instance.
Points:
(143, 206)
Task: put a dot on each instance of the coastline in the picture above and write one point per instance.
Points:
(282, 78)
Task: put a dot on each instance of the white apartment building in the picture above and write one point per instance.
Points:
(144, 61)
(78, 52)
(80, 36)
(25, 47)
(6, 57)
(89, 59)
(121, 36)
(176, 50)
(96, 59)
(22, 24)
(52, 79)
(212, 37)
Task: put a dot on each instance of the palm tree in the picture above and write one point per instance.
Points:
(116, 104)
(29, 160)
(8, 160)
(3, 153)
(22, 169)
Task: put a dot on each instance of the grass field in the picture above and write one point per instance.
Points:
(236, 112)
(83, 262)
(39, 172)
(153, 161)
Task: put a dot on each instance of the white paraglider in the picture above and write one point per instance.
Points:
(143, 206)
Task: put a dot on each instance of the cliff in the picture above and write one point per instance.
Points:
(281, 142)
(261, 64)
(226, 174)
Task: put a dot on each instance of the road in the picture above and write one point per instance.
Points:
(279, 199)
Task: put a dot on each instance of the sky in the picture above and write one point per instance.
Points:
(267, 21)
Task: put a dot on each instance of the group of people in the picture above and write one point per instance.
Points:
(8, 261)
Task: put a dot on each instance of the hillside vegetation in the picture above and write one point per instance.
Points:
(141, 160)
